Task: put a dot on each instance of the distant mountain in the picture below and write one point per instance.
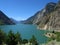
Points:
(4, 20)
(48, 18)
(15, 21)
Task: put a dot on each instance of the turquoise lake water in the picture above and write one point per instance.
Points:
(26, 31)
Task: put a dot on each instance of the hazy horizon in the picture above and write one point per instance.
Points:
(22, 9)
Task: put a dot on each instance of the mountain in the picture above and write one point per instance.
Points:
(37, 17)
(4, 20)
(52, 20)
(31, 19)
(15, 21)
(48, 18)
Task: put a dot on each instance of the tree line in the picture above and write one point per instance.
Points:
(15, 38)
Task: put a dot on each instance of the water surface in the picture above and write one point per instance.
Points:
(26, 31)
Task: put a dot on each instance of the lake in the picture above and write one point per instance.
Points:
(26, 31)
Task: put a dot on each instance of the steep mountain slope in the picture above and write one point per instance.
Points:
(4, 20)
(54, 22)
(35, 19)
(49, 7)
(31, 19)
(48, 18)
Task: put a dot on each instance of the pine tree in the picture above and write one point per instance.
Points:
(2, 37)
(33, 40)
(18, 38)
(11, 39)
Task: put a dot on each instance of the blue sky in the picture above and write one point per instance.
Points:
(22, 9)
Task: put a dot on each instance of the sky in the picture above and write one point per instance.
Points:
(22, 9)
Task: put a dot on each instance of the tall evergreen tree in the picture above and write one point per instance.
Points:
(11, 39)
(18, 38)
(33, 40)
(2, 37)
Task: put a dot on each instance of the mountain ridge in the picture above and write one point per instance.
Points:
(5, 20)
(44, 18)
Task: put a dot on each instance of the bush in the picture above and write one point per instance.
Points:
(18, 37)
(2, 37)
(11, 39)
(25, 41)
(33, 40)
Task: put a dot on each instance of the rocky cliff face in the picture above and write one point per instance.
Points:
(31, 19)
(54, 21)
(37, 17)
(4, 20)
(48, 18)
